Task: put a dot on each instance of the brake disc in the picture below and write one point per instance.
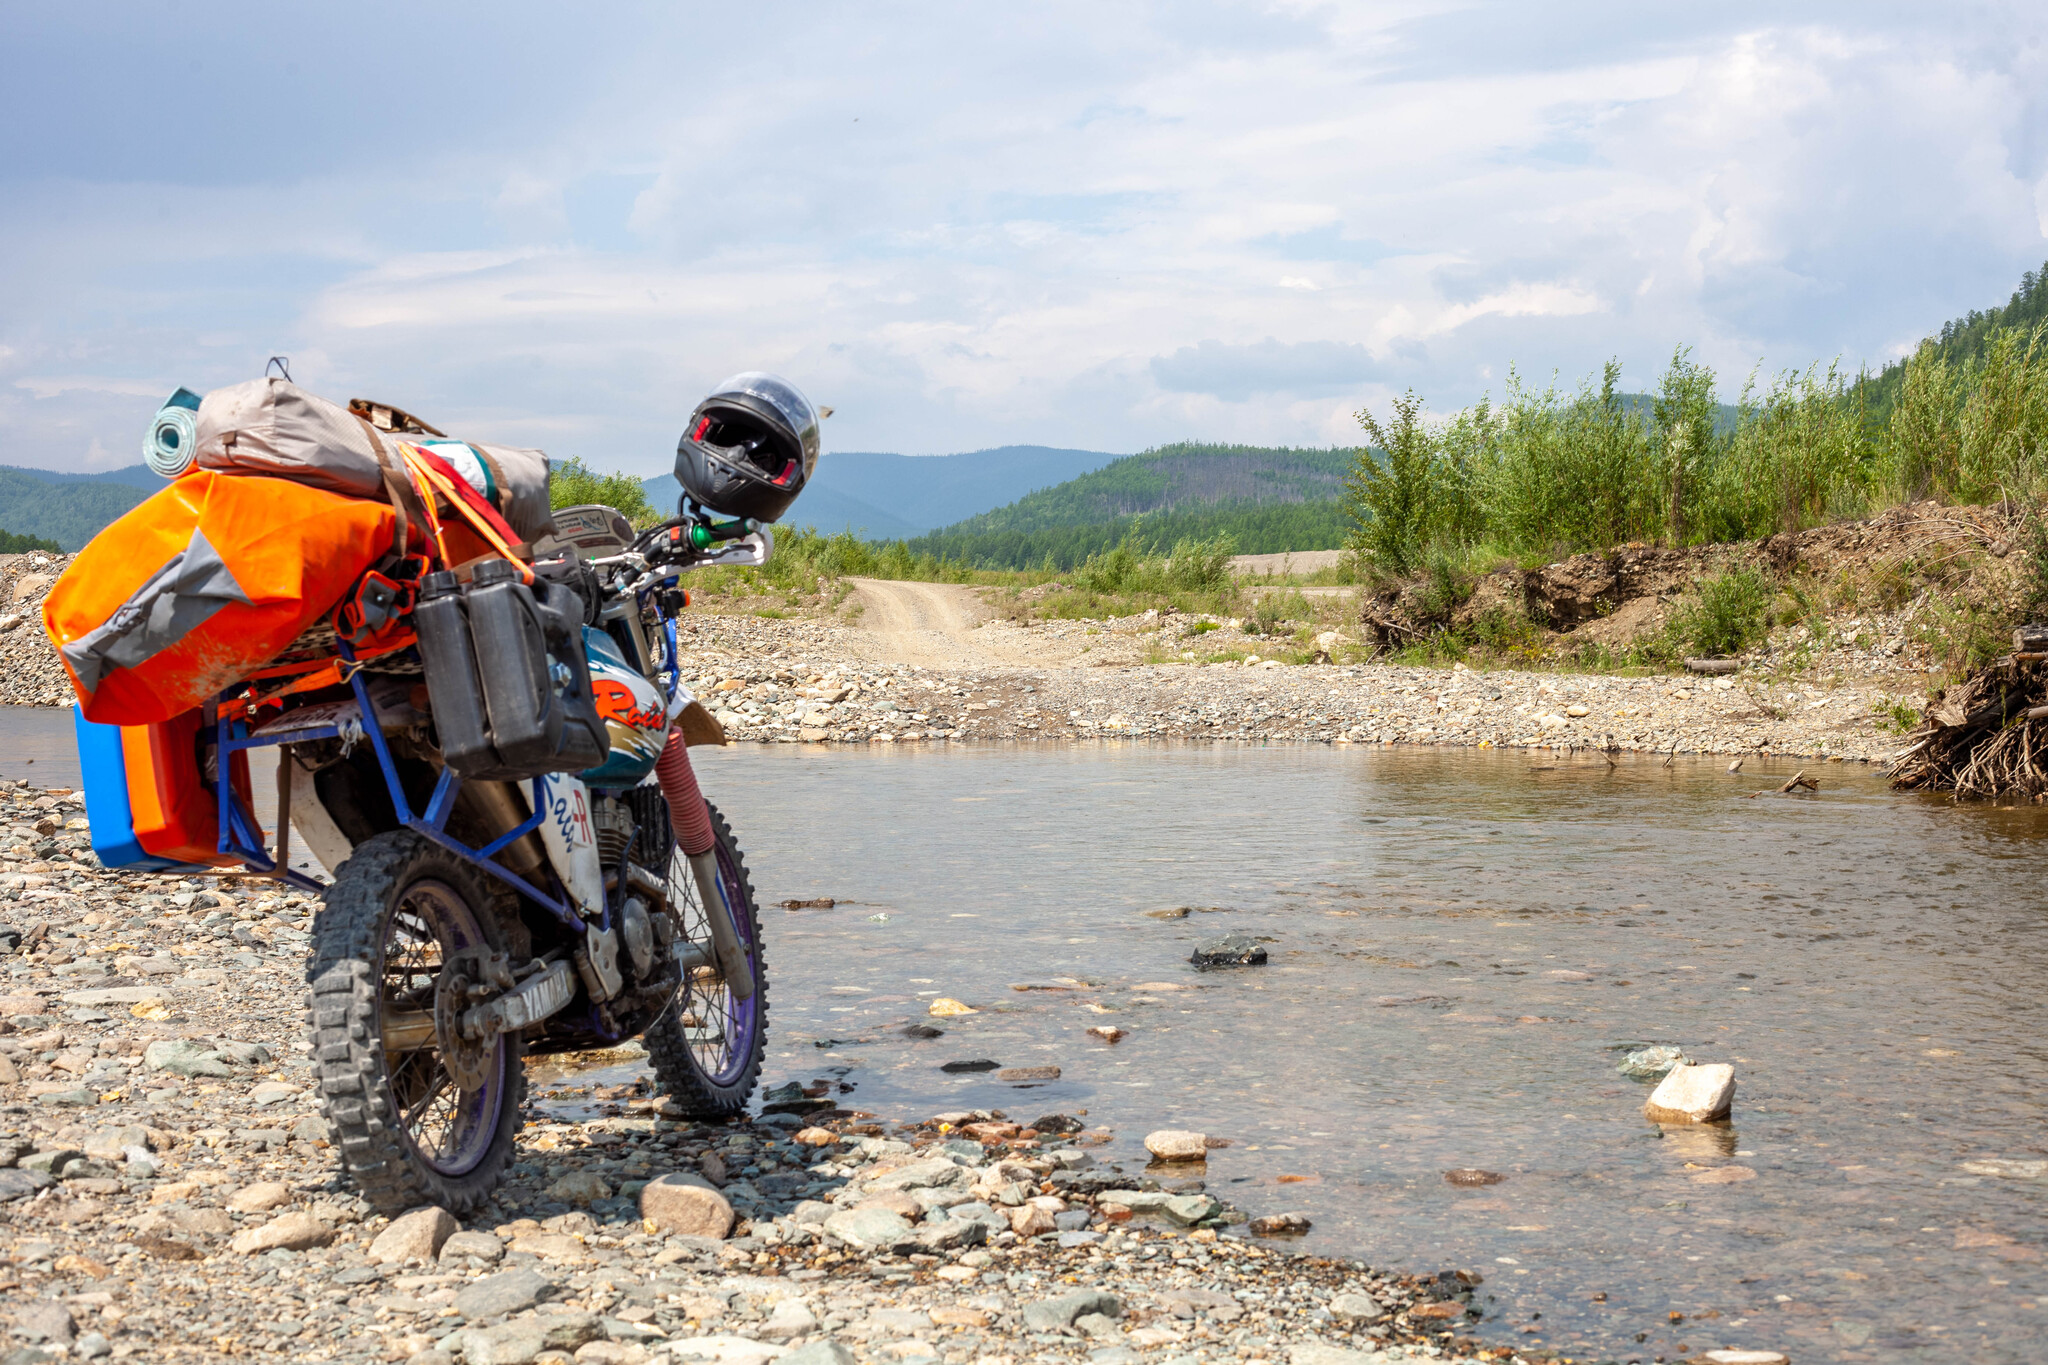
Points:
(467, 1061)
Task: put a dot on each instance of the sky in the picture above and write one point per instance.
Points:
(963, 226)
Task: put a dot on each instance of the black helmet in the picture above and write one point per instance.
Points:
(749, 447)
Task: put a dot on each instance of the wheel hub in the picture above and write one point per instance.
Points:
(467, 1061)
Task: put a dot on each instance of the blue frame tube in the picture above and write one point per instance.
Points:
(242, 836)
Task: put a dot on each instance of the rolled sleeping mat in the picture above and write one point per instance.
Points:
(173, 440)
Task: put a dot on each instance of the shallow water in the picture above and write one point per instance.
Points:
(1873, 965)
(38, 742)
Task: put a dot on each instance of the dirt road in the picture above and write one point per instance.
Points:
(933, 625)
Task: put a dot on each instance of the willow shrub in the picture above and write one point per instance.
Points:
(1570, 474)
(2002, 428)
(571, 483)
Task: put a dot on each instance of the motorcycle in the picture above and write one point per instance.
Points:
(476, 919)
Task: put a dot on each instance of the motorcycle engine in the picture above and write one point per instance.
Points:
(613, 826)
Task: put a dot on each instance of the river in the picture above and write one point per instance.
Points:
(1874, 967)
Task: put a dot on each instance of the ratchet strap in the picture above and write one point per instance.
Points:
(438, 475)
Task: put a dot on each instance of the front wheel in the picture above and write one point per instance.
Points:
(707, 1046)
(414, 1126)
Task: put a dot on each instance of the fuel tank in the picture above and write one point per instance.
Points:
(632, 709)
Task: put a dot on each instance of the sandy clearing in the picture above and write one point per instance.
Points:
(1293, 561)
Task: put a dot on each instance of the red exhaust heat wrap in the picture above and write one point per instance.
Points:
(686, 812)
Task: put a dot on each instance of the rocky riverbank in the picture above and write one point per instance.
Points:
(167, 1193)
(29, 672)
(825, 679)
(810, 681)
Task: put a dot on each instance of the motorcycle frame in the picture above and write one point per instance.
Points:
(241, 836)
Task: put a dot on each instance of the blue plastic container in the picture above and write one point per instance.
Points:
(107, 808)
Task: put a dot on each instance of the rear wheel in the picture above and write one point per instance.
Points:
(421, 1116)
(707, 1046)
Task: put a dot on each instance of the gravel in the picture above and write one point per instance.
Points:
(795, 681)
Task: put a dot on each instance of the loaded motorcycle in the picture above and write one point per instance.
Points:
(523, 862)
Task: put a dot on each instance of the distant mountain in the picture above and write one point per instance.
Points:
(67, 508)
(824, 507)
(134, 476)
(1265, 498)
(887, 497)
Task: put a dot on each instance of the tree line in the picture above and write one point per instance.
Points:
(1548, 472)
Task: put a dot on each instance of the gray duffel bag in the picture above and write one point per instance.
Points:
(273, 427)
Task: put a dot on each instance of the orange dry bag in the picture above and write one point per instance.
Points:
(200, 586)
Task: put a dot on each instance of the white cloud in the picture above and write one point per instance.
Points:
(967, 228)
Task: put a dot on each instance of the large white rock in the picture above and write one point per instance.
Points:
(293, 1232)
(261, 1197)
(1175, 1144)
(680, 1202)
(1693, 1094)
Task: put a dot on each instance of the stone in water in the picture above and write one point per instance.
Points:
(1234, 950)
(1175, 1144)
(1693, 1094)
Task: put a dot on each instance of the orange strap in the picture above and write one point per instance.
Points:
(443, 483)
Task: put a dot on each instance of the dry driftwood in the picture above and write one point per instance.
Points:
(1986, 737)
(1797, 782)
(1713, 665)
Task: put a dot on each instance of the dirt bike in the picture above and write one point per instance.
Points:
(475, 920)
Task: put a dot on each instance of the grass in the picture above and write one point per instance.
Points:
(1548, 473)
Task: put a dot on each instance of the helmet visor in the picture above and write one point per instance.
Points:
(783, 396)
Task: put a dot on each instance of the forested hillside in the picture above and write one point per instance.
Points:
(1265, 498)
(1173, 478)
(1961, 342)
(68, 511)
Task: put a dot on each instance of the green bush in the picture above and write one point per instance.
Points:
(571, 483)
(1731, 612)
